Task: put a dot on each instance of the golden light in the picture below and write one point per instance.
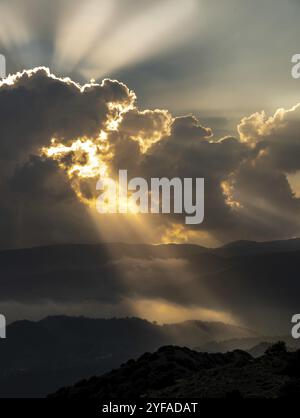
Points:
(227, 187)
(83, 159)
(163, 311)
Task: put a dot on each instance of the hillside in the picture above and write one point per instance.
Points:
(59, 350)
(174, 372)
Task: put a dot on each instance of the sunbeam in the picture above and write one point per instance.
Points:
(141, 37)
(78, 30)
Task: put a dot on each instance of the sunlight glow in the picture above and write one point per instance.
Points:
(163, 311)
(180, 234)
(83, 159)
(227, 187)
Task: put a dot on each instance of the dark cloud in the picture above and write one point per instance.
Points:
(247, 188)
(39, 206)
(37, 106)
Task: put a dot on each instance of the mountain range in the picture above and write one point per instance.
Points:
(257, 282)
(39, 357)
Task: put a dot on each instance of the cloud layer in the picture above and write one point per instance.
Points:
(57, 138)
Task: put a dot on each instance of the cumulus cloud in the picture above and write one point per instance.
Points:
(57, 138)
(35, 106)
(261, 183)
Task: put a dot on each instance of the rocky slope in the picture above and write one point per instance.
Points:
(174, 372)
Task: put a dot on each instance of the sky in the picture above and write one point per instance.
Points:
(224, 59)
(161, 88)
(187, 65)
(197, 93)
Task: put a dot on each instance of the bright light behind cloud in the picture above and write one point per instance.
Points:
(294, 182)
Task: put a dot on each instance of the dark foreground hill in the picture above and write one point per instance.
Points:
(174, 372)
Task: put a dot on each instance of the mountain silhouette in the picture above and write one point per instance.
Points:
(177, 372)
(244, 277)
(229, 275)
(39, 357)
(244, 247)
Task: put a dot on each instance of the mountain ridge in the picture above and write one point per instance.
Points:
(239, 246)
(178, 372)
(58, 350)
